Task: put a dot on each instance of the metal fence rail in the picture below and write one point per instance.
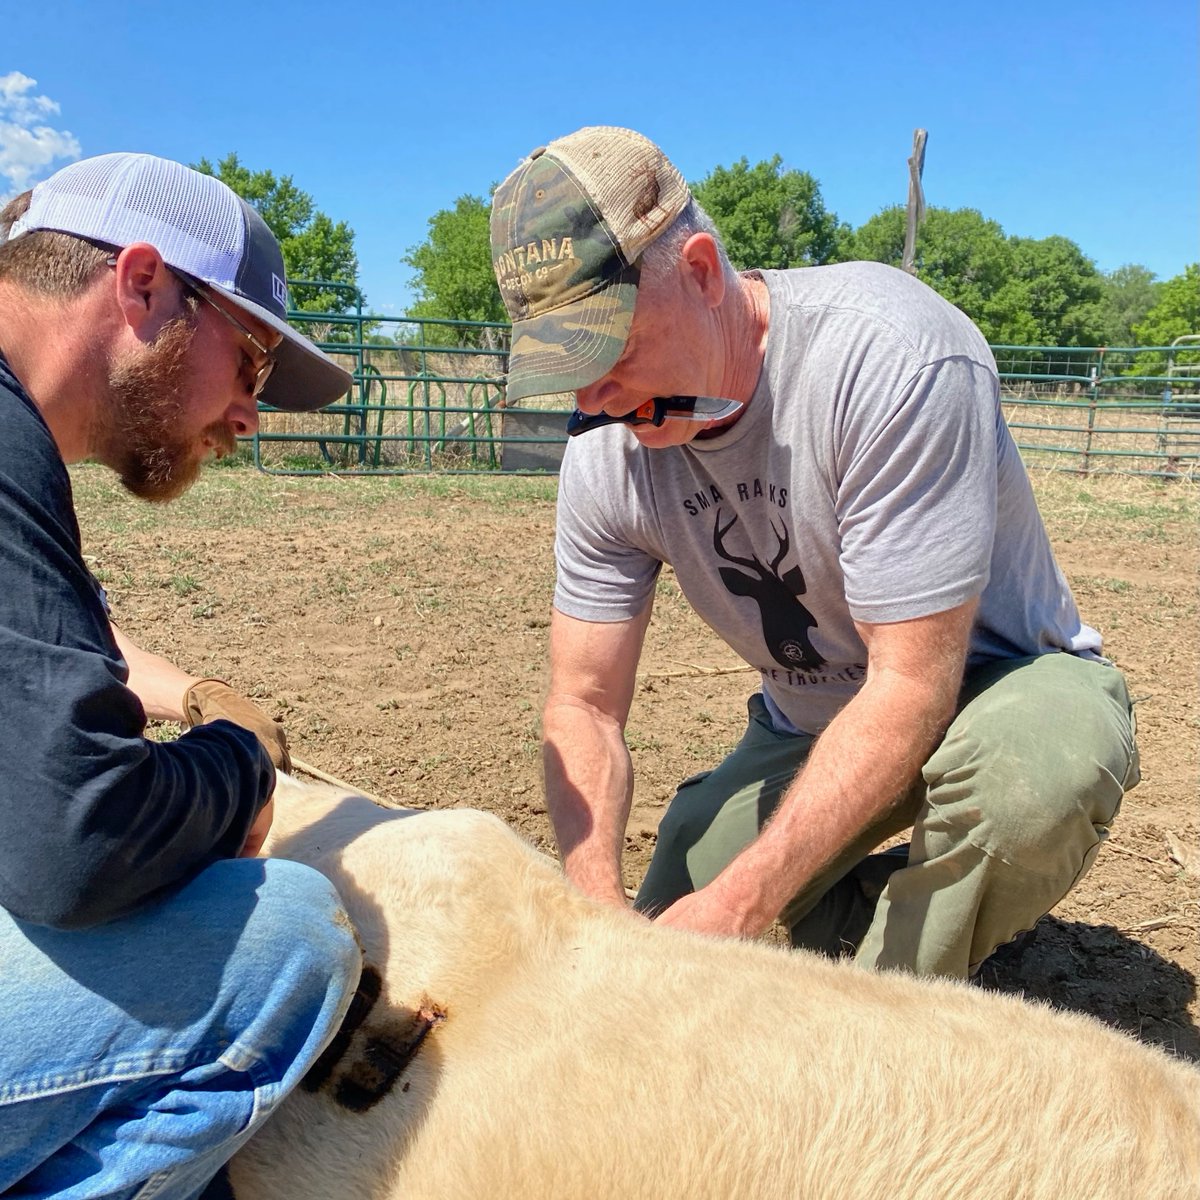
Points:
(1097, 410)
(429, 396)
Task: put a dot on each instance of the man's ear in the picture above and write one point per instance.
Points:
(147, 291)
(701, 263)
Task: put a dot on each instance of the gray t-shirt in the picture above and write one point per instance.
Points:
(871, 477)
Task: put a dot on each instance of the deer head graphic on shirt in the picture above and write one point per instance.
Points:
(785, 621)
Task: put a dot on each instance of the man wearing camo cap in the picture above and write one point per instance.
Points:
(162, 988)
(820, 456)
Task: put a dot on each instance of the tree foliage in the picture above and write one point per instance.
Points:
(1051, 294)
(1127, 296)
(313, 245)
(880, 239)
(454, 277)
(965, 257)
(1176, 314)
(1019, 291)
(769, 217)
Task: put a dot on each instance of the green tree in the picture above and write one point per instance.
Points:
(1019, 291)
(1127, 296)
(769, 217)
(1050, 297)
(454, 277)
(1176, 314)
(966, 258)
(959, 253)
(880, 239)
(313, 245)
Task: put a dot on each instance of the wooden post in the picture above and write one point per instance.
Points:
(916, 200)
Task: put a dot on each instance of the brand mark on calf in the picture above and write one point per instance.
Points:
(390, 1048)
(370, 985)
(390, 1043)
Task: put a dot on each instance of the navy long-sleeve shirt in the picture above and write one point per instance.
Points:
(94, 819)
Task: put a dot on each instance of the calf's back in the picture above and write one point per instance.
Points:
(514, 1039)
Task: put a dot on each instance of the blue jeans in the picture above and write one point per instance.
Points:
(136, 1057)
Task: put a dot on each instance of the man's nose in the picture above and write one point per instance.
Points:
(243, 416)
(593, 398)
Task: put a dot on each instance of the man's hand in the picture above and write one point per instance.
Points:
(865, 760)
(214, 700)
(710, 911)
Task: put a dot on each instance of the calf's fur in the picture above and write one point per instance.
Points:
(528, 1042)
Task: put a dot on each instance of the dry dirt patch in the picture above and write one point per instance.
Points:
(398, 628)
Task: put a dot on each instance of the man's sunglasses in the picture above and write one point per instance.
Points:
(258, 381)
(261, 373)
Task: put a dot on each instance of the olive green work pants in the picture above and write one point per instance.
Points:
(1008, 815)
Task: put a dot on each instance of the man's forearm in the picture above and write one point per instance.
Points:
(158, 684)
(589, 788)
(858, 770)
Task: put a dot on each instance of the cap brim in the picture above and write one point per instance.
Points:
(573, 345)
(304, 378)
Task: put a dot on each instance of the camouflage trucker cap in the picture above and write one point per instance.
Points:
(568, 228)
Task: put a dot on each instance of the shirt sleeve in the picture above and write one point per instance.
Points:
(94, 818)
(916, 496)
(602, 573)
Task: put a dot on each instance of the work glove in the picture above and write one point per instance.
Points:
(215, 700)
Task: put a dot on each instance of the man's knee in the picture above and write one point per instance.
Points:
(300, 914)
(1057, 722)
(1043, 753)
(297, 901)
(296, 965)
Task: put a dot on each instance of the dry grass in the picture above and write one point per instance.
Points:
(1069, 432)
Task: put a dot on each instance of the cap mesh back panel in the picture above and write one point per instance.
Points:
(193, 205)
(194, 222)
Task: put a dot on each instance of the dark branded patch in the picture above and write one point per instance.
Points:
(370, 986)
(386, 1056)
(390, 1043)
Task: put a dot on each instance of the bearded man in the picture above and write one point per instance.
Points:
(162, 988)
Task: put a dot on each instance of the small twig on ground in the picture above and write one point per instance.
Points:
(1153, 923)
(1134, 853)
(325, 777)
(694, 669)
(1181, 855)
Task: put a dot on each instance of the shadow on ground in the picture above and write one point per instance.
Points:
(1098, 970)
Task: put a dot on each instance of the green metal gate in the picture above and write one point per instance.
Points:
(429, 396)
(1098, 410)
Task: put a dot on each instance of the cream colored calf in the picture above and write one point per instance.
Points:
(526, 1042)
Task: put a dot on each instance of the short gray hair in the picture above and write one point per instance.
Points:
(660, 257)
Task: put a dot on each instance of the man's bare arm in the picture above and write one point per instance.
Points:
(859, 767)
(159, 684)
(588, 771)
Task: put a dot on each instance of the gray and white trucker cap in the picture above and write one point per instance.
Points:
(203, 230)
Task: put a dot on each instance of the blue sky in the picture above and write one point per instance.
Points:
(1065, 118)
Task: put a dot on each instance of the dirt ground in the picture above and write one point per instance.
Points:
(398, 629)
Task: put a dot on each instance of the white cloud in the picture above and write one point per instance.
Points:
(27, 144)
